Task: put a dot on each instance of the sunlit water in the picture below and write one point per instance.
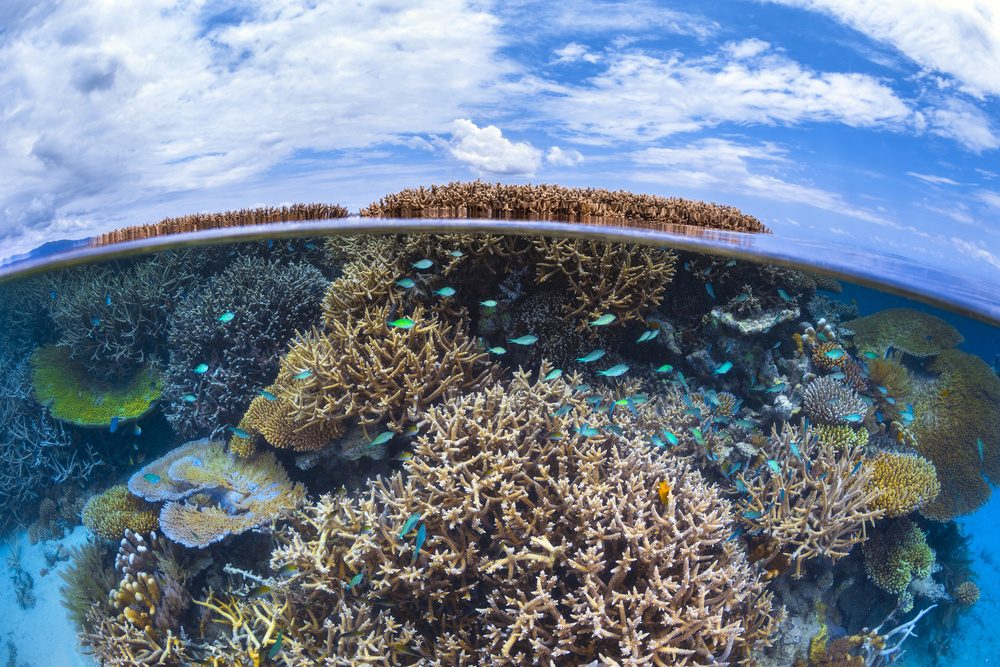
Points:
(208, 332)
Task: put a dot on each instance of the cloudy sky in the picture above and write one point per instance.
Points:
(868, 122)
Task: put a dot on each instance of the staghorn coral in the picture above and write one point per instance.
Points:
(493, 253)
(819, 503)
(840, 437)
(71, 396)
(966, 594)
(905, 482)
(954, 413)
(365, 281)
(911, 331)
(623, 280)
(223, 494)
(371, 371)
(109, 514)
(897, 554)
(830, 402)
(270, 302)
(587, 565)
(547, 202)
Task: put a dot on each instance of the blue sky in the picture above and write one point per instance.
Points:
(873, 123)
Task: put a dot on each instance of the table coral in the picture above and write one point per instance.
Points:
(73, 397)
(109, 514)
(537, 550)
(906, 483)
(223, 494)
(911, 331)
(897, 554)
(954, 413)
(818, 505)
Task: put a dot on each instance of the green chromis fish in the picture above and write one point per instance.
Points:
(871, 355)
(201, 368)
(614, 428)
(276, 648)
(402, 323)
(421, 536)
(552, 375)
(742, 297)
(735, 534)
(603, 320)
(979, 443)
(645, 336)
(226, 317)
(582, 387)
(784, 295)
(268, 395)
(381, 439)
(355, 580)
(671, 438)
(593, 356)
(445, 291)
(708, 288)
(835, 353)
(588, 431)
(740, 486)
(489, 303)
(408, 526)
(497, 350)
(855, 418)
(302, 376)
(456, 253)
(243, 433)
(731, 262)
(151, 478)
(856, 467)
(773, 465)
(753, 515)
(190, 398)
(564, 410)
(723, 368)
(523, 340)
(778, 387)
(665, 368)
(423, 264)
(614, 371)
(406, 283)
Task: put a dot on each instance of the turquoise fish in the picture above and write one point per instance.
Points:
(201, 368)
(603, 319)
(381, 439)
(406, 283)
(523, 340)
(243, 433)
(445, 291)
(423, 264)
(552, 375)
(421, 536)
(614, 371)
(723, 368)
(409, 524)
(402, 323)
(489, 303)
(225, 317)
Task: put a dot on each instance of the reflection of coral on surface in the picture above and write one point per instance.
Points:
(62, 384)
(911, 331)
(906, 483)
(594, 538)
(897, 554)
(109, 514)
(222, 494)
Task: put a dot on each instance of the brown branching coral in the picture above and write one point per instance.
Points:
(552, 202)
(109, 514)
(818, 501)
(606, 277)
(366, 280)
(368, 369)
(272, 417)
(538, 548)
(891, 384)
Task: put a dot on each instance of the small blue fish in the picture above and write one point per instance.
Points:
(95, 321)
(658, 441)
(795, 450)
(731, 262)
(742, 297)
(421, 536)
(355, 580)
(680, 378)
(582, 387)
(406, 283)
(781, 496)
(835, 353)
(240, 432)
(189, 398)
(883, 390)
(593, 356)
(588, 431)
(226, 317)
(773, 465)
(979, 443)
(276, 648)
(708, 288)
(753, 515)
(310, 245)
(423, 264)
(665, 368)
(615, 429)
(784, 295)
(151, 478)
(729, 348)
(53, 294)
(445, 291)
(734, 535)
(114, 424)
(268, 395)
(614, 371)
(489, 303)
(698, 437)
(138, 429)
(871, 355)
(456, 253)
(821, 336)
(706, 271)
(853, 418)
(644, 337)
(408, 525)
(107, 300)
(839, 375)
(552, 375)
(631, 406)
(890, 400)
(564, 410)
(888, 352)
(604, 408)
(856, 467)
(381, 438)
(740, 486)
(497, 350)
(594, 399)
(671, 438)
(778, 387)
(603, 319)
(201, 368)
(402, 323)
(723, 368)
(302, 376)
(523, 340)
(736, 467)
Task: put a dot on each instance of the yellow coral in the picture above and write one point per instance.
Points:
(966, 594)
(822, 360)
(273, 419)
(897, 555)
(72, 396)
(906, 483)
(840, 437)
(108, 515)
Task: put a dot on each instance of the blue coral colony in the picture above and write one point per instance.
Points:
(725, 389)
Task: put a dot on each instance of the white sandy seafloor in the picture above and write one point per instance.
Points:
(43, 634)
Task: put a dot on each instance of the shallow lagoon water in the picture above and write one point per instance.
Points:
(308, 315)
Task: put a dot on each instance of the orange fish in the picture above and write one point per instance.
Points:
(944, 392)
(664, 490)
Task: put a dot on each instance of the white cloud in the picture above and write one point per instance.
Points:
(960, 38)
(574, 52)
(557, 157)
(976, 252)
(933, 180)
(105, 106)
(989, 197)
(964, 123)
(748, 48)
(487, 152)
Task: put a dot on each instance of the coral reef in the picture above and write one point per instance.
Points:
(891, 383)
(830, 402)
(60, 384)
(273, 419)
(268, 302)
(547, 202)
(809, 500)
(88, 583)
(593, 562)
(912, 331)
(840, 437)
(905, 482)
(110, 513)
(957, 427)
(966, 594)
(897, 554)
(223, 494)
